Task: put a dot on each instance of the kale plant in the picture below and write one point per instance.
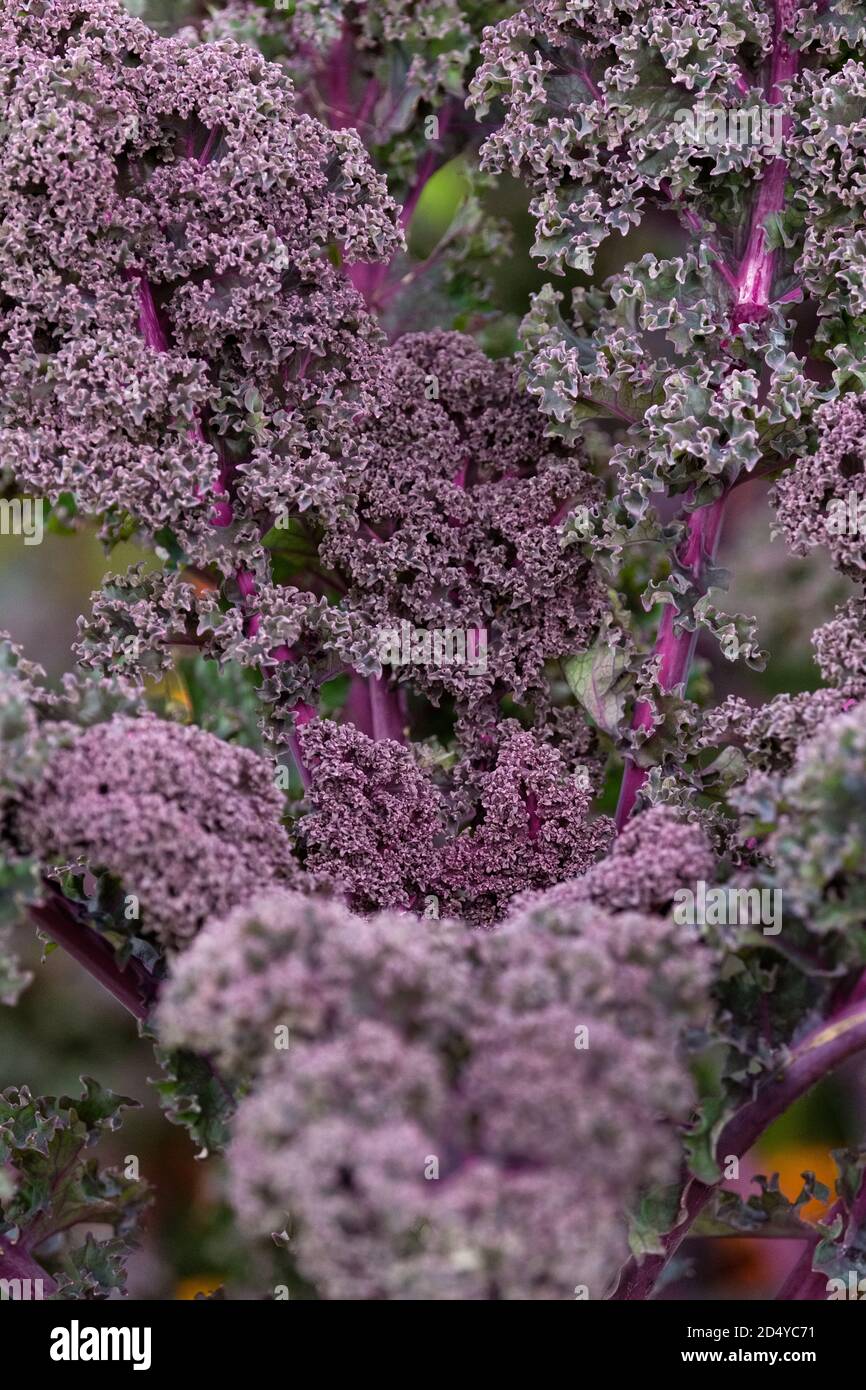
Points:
(482, 939)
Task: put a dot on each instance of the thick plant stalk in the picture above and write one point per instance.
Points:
(804, 1284)
(376, 709)
(370, 280)
(133, 986)
(752, 291)
(18, 1264)
(831, 1043)
(674, 648)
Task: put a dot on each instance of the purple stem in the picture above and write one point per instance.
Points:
(424, 173)
(692, 222)
(303, 714)
(742, 85)
(370, 280)
(336, 79)
(17, 1263)
(209, 146)
(368, 101)
(374, 708)
(803, 1283)
(386, 709)
(675, 647)
(688, 217)
(134, 987)
(823, 1049)
(155, 336)
(152, 330)
(755, 279)
(753, 291)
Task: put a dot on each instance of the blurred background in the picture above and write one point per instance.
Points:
(66, 1026)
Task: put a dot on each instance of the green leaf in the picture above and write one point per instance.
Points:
(656, 1213)
(51, 1187)
(599, 679)
(195, 1096)
(842, 1250)
(708, 1067)
(765, 1214)
(93, 1270)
